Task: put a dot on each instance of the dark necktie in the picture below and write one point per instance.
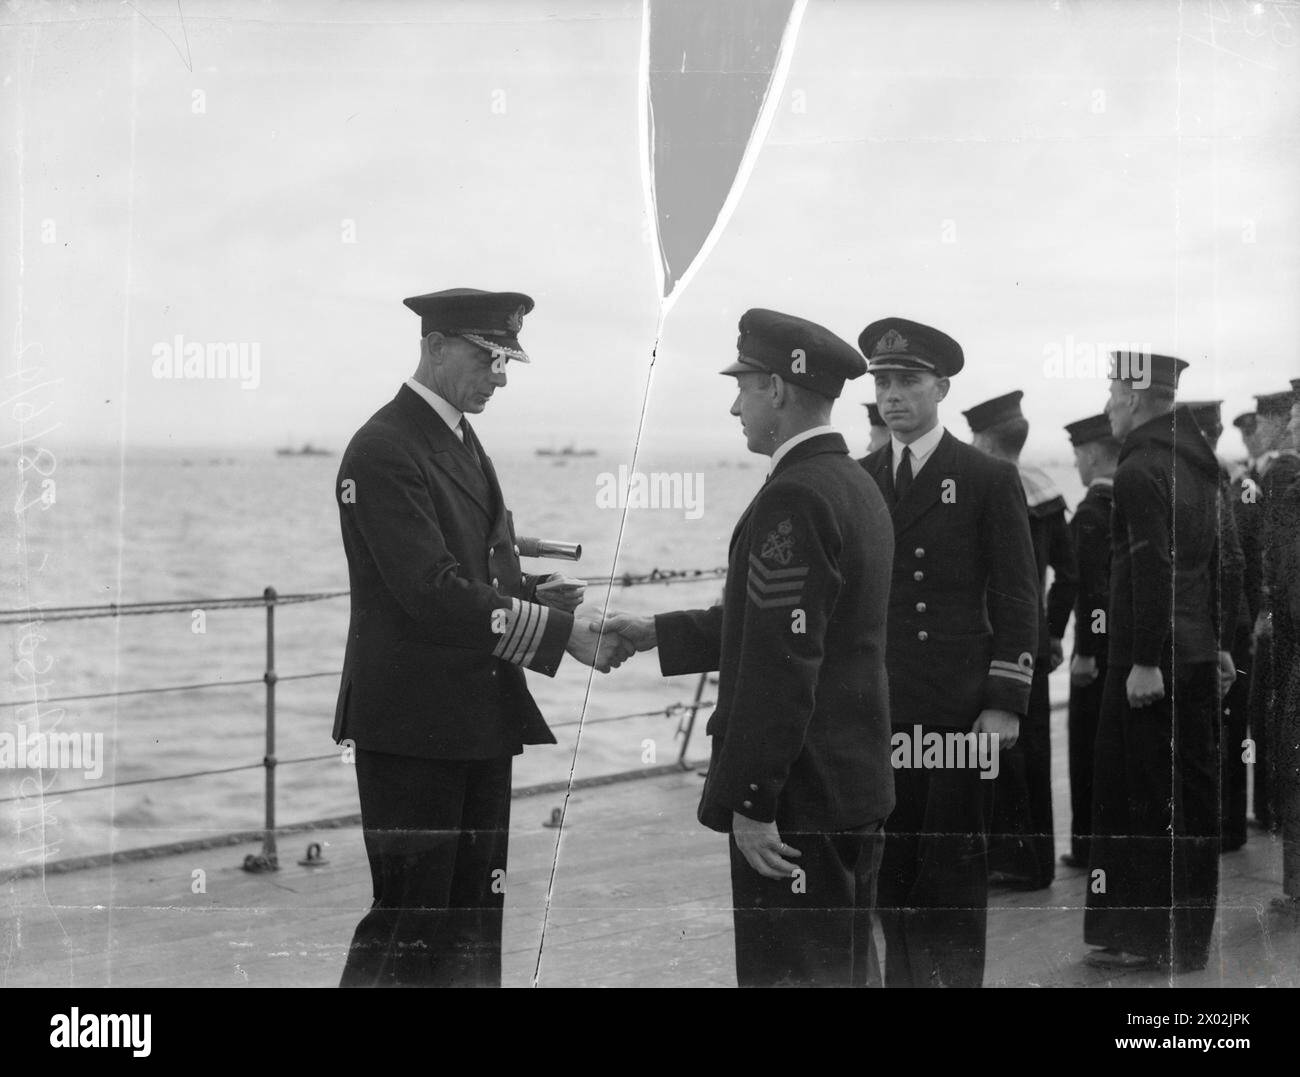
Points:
(469, 444)
(903, 480)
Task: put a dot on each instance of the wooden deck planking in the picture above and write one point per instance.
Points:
(640, 897)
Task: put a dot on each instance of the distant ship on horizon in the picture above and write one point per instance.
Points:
(568, 450)
(308, 449)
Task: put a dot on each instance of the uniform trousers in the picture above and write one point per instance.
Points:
(1021, 828)
(1083, 719)
(815, 931)
(436, 834)
(1155, 818)
(933, 894)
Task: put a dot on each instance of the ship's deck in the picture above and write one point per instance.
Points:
(640, 898)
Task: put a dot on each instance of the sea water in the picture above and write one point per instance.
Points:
(190, 525)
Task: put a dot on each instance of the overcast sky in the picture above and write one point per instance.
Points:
(1033, 178)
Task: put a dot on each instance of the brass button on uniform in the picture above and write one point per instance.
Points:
(496, 582)
(918, 575)
(748, 804)
(753, 789)
(492, 551)
(919, 551)
(516, 551)
(923, 635)
(920, 607)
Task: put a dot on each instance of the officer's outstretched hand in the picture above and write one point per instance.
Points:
(1005, 725)
(638, 631)
(1145, 685)
(600, 650)
(762, 846)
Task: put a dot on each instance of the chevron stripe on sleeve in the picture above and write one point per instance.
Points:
(770, 588)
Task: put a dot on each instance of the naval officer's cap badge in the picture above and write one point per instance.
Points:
(490, 320)
(900, 344)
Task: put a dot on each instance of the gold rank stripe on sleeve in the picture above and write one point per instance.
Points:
(770, 588)
(525, 627)
(1011, 671)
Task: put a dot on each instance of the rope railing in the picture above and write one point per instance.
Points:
(673, 710)
(166, 688)
(269, 600)
(136, 609)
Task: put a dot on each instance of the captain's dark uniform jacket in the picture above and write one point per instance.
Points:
(1090, 531)
(443, 619)
(963, 605)
(801, 730)
(1167, 563)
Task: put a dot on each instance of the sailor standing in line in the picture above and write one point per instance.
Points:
(963, 630)
(1233, 775)
(1248, 510)
(799, 776)
(1283, 578)
(1022, 852)
(1277, 467)
(1154, 869)
(1096, 453)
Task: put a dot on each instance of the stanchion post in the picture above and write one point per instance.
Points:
(268, 840)
(690, 722)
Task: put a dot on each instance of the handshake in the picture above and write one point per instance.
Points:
(605, 643)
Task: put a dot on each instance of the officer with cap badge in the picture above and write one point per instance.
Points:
(1233, 775)
(1096, 452)
(1155, 847)
(963, 633)
(433, 698)
(879, 431)
(799, 775)
(1022, 853)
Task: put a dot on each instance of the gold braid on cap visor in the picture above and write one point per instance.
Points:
(496, 347)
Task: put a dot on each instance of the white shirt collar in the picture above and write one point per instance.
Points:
(921, 448)
(798, 439)
(446, 412)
